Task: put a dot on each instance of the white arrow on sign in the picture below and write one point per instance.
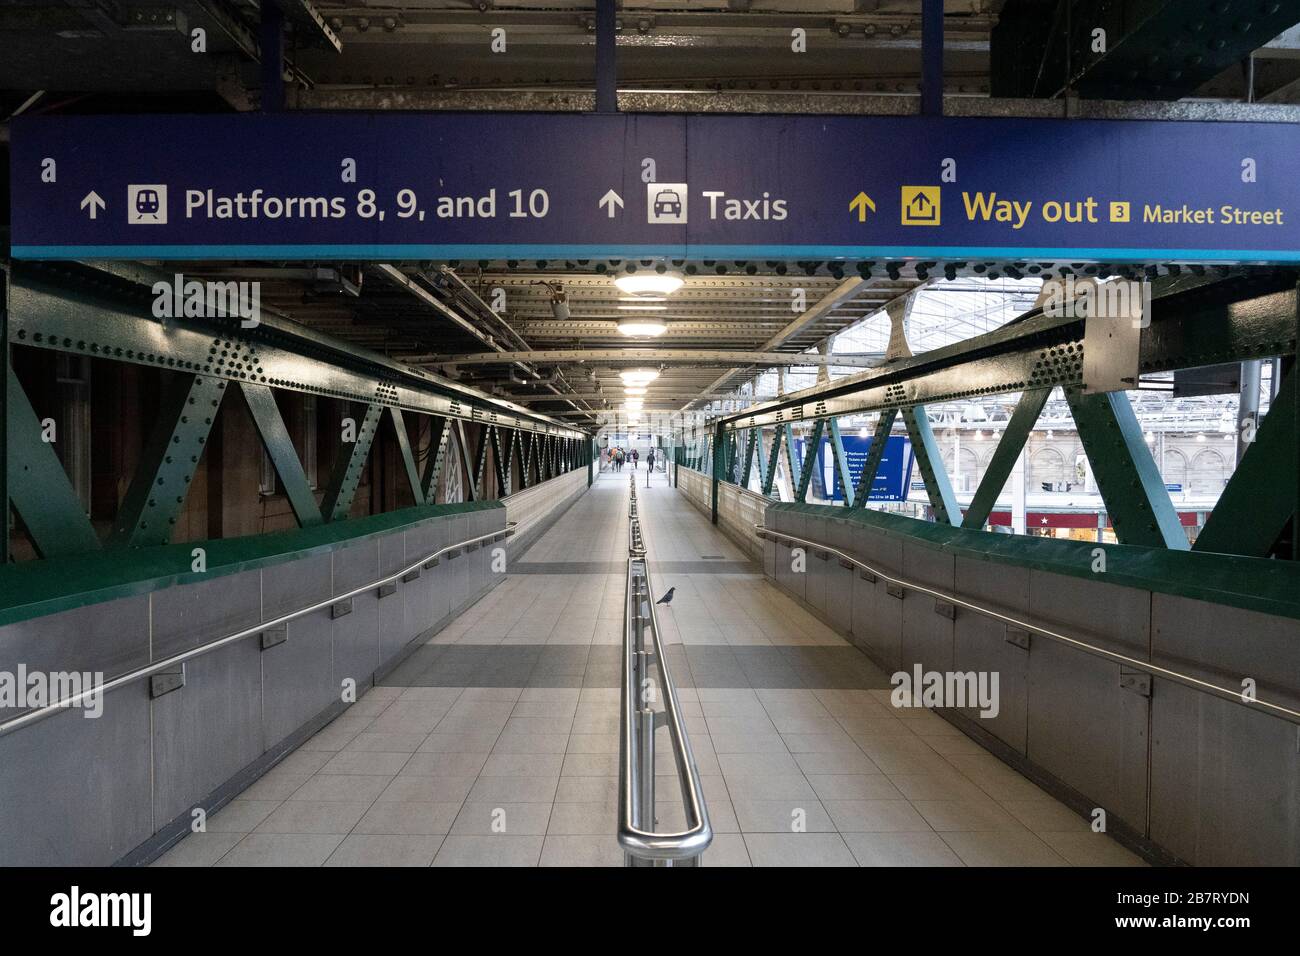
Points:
(94, 201)
(611, 200)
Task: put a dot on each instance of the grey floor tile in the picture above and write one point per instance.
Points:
(900, 849)
(307, 816)
(419, 819)
(490, 819)
(727, 849)
(500, 849)
(282, 849)
(514, 789)
(798, 849)
(341, 788)
(1002, 848)
(199, 849)
(581, 851)
(966, 815)
(385, 850)
(873, 816)
(240, 816)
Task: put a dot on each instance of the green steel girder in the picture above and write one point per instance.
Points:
(462, 446)
(1253, 510)
(875, 455)
(515, 445)
(809, 459)
(530, 459)
(1195, 322)
(759, 458)
(716, 469)
(480, 460)
(349, 465)
(544, 459)
(38, 484)
(498, 462)
(791, 460)
(438, 434)
(1013, 440)
(279, 447)
(748, 463)
(772, 459)
(1130, 483)
(101, 309)
(408, 456)
(930, 460)
(840, 463)
(168, 461)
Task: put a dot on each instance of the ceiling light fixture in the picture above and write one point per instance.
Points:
(649, 283)
(642, 327)
(638, 376)
(634, 389)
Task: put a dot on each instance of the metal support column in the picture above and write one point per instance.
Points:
(809, 460)
(875, 454)
(1260, 498)
(1127, 476)
(930, 460)
(840, 464)
(39, 487)
(408, 457)
(438, 434)
(170, 456)
(931, 57)
(279, 447)
(1022, 422)
(719, 452)
(606, 57)
(271, 42)
(349, 465)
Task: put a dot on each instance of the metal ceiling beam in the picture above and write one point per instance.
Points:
(838, 296)
(646, 356)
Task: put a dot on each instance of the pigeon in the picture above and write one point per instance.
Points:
(667, 598)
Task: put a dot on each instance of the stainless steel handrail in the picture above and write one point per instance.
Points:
(40, 713)
(1156, 670)
(641, 844)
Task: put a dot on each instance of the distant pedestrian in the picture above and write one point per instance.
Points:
(650, 460)
(636, 456)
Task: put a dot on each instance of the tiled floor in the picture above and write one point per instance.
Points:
(496, 743)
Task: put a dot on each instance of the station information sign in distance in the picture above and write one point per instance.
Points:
(579, 186)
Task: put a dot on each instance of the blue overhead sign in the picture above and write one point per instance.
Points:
(893, 477)
(574, 186)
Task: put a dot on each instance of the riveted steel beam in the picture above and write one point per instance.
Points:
(772, 458)
(485, 433)
(1260, 498)
(840, 463)
(1130, 483)
(279, 446)
(1004, 457)
(348, 466)
(747, 459)
(760, 458)
(809, 459)
(170, 457)
(875, 454)
(105, 312)
(39, 488)
(930, 460)
(500, 467)
(438, 434)
(462, 444)
(408, 456)
(1195, 321)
